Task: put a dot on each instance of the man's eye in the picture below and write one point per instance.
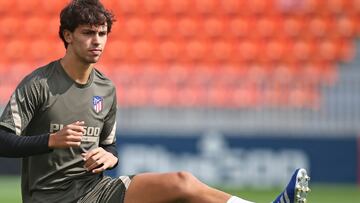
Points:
(102, 33)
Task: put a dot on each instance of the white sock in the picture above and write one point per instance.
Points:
(235, 199)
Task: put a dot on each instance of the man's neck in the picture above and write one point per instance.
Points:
(76, 70)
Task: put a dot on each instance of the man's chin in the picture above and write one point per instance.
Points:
(92, 60)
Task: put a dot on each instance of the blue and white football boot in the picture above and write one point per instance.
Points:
(297, 189)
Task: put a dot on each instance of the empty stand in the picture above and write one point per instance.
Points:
(195, 53)
(154, 7)
(162, 27)
(129, 7)
(206, 7)
(34, 27)
(180, 8)
(292, 26)
(170, 51)
(214, 27)
(188, 27)
(232, 7)
(221, 52)
(10, 27)
(4, 7)
(26, 8)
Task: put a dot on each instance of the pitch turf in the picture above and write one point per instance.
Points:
(10, 193)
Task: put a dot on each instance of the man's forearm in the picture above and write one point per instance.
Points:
(15, 146)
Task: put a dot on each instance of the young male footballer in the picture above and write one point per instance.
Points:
(70, 107)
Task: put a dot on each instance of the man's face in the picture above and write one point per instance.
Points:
(87, 42)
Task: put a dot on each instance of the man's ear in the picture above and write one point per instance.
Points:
(67, 36)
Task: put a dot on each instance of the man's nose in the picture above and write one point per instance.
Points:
(96, 39)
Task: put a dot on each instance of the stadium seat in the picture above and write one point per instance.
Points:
(260, 7)
(187, 27)
(136, 27)
(52, 28)
(5, 92)
(37, 51)
(162, 96)
(346, 49)
(275, 95)
(229, 75)
(201, 75)
(240, 27)
(311, 7)
(162, 27)
(16, 71)
(329, 73)
(304, 97)
(195, 51)
(190, 96)
(118, 51)
(178, 75)
(154, 7)
(247, 50)
(4, 7)
(52, 8)
(180, 8)
(258, 74)
(32, 25)
(232, 7)
(345, 27)
(301, 50)
(245, 96)
(354, 7)
(311, 73)
(275, 50)
(297, 98)
(136, 95)
(170, 51)
(129, 7)
(214, 27)
(110, 3)
(150, 75)
(319, 27)
(27, 8)
(206, 7)
(123, 75)
(121, 96)
(292, 26)
(143, 51)
(327, 51)
(219, 97)
(221, 52)
(12, 25)
(15, 50)
(284, 74)
(336, 7)
(266, 27)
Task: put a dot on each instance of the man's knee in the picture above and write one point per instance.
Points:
(186, 183)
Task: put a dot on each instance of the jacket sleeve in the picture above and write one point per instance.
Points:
(14, 146)
(108, 134)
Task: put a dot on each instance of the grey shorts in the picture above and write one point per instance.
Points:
(108, 190)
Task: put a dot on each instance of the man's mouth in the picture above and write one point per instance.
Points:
(95, 51)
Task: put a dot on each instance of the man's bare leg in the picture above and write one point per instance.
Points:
(172, 187)
(183, 187)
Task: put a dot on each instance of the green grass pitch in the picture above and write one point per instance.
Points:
(10, 192)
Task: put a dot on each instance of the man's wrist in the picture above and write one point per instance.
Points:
(50, 140)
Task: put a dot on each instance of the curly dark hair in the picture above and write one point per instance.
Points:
(84, 12)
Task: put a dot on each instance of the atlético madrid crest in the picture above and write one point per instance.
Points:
(98, 103)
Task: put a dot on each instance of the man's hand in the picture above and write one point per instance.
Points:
(69, 136)
(98, 160)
